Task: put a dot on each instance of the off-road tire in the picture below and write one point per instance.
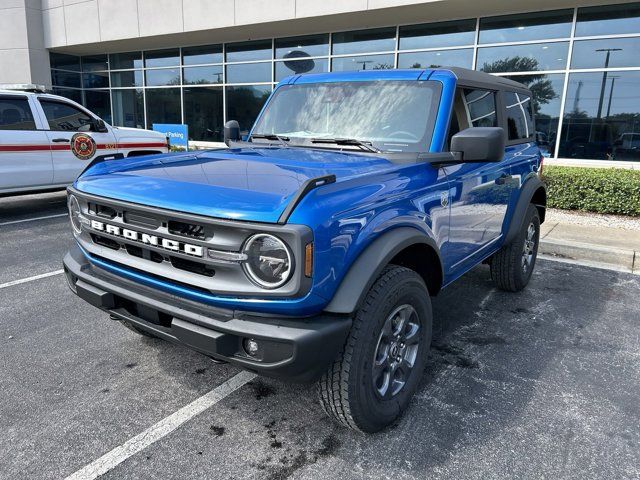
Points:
(346, 391)
(507, 270)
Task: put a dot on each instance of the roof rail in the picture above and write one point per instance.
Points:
(23, 87)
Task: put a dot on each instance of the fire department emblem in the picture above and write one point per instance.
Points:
(83, 146)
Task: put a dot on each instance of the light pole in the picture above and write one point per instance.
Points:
(604, 76)
(613, 82)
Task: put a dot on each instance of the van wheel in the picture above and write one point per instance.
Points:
(373, 379)
(513, 264)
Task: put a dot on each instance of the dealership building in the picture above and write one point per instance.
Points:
(201, 62)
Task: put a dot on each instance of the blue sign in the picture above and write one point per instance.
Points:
(178, 135)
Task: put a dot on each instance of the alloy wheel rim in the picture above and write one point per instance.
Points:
(396, 351)
(528, 249)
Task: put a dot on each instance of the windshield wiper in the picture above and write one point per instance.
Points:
(272, 136)
(348, 141)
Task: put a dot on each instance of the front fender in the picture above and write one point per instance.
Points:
(368, 266)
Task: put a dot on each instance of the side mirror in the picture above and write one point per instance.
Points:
(98, 125)
(479, 144)
(231, 131)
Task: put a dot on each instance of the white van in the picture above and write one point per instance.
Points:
(47, 140)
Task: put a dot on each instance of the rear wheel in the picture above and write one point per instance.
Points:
(374, 378)
(512, 266)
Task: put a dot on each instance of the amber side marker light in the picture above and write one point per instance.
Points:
(308, 260)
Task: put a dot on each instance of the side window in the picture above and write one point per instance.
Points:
(15, 114)
(480, 106)
(519, 115)
(62, 116)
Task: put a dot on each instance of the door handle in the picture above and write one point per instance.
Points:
(61, 140)
(502, 179)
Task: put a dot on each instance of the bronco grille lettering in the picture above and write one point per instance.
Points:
(145, 238)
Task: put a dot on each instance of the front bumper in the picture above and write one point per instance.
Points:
(299, 349)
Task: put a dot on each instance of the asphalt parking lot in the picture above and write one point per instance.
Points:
(540, 384)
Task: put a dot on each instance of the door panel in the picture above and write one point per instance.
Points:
(65, 121)
(25, 158)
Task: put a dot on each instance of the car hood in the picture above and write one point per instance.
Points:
(253, 184)
(127, 132)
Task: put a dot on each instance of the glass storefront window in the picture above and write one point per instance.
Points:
(602, 116)
(75, 95)
(202, 55)
(438, 35)
(163, 76)
(95, 80)
(99, 102)
(610, 52)
(95, 63)
(128, 108)
(126, 60)
(202, 75)
(65, 62)
(526, 26)
(301, 47)
(163, 106)
(295, 67)
(364, 41)
(162, 58)
(523, 58)
(244, 104)
(608, 20)
(249, 51)
(432, 59)
(249, 72)
(547, 98)
(364, 62)
(203, 113)
(65, 79)
(130, 78)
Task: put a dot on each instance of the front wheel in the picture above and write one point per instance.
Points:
(373, 380)
(513, 264)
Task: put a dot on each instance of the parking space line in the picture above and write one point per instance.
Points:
(30, 279)
(13, 222)
(161, 429)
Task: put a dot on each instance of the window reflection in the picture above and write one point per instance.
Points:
(602, 116)
(245, 102)
(125, 60)
(163, 106)
(203, 113)
(435, 35)
(131, 78)
(95, 80)
(295, 67)
(608, 20)
(526, 26)
(523, 58)
(249, 51)
(364, 41)
(202, 55)
(65, 79)
(304, 46)
(611, 52)
(163, 76)
(364, 62)
(202, 75)
(75, 95)
(162, 58)
(547, 98)
(128, 108)
(94, 63)
(249, 72)
(99, 102)
(450, 58)
(65, 62)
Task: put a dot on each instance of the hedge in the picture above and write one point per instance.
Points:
(599, 190)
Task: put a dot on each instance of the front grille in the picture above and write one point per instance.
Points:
(193, 267)
(186, 229)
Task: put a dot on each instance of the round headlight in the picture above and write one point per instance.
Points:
(269, 262)
(74, 214)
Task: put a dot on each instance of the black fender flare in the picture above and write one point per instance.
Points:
(370, 263)
(528, 189)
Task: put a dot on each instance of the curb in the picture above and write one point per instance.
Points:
(619, 259)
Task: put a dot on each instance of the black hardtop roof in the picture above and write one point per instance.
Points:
(469, 77)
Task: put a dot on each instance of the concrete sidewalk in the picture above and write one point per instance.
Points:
(600, 241)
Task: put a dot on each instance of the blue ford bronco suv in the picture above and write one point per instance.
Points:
(309, 249)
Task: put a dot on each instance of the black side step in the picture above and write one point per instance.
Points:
(302, 192)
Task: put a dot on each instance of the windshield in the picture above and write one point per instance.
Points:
(390, 115)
